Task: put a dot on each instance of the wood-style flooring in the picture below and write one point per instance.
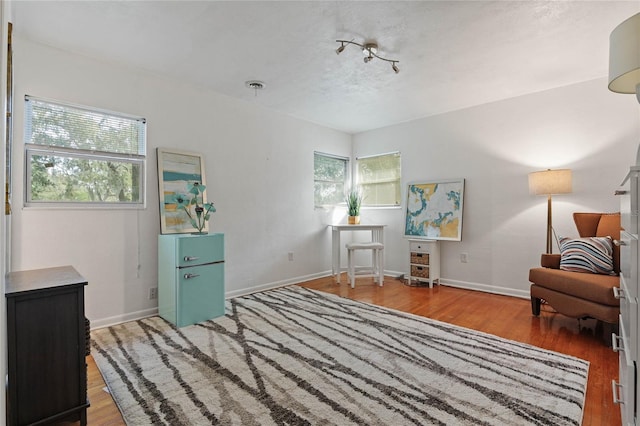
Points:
(503, 316)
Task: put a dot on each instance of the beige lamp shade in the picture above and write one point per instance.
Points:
(550, 182)
(624, 57)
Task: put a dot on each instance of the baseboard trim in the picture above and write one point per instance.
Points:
(521, 294)
(119, 319)
(276, 284)
(133, 316)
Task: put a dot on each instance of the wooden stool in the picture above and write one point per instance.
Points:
(377, 268)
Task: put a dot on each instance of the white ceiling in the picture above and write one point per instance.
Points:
(452, 54)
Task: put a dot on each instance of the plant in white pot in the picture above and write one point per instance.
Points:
(354, 201)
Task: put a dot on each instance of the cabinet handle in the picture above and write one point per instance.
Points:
(190, 258)
(619, 243)
(618, 293)
(188, 276)
(620, 192)
(616, 343)
(616, 398)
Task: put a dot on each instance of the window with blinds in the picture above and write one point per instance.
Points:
(379, 178)
(330, 178)
(83, 156)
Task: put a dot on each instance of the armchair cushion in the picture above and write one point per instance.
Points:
(593, 287)
(550, 260)
(590, 254)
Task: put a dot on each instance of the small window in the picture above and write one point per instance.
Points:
(330, 179)
(379, 178)
(80, 156)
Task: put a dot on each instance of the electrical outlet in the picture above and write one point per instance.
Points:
(464, 257)
(153, 293)
(291, 256)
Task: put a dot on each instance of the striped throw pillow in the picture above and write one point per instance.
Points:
(593, 255)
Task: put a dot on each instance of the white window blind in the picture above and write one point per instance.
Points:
(379, 178)
(84, 156)
(330, 179)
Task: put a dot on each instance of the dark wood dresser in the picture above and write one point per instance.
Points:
(46, 339)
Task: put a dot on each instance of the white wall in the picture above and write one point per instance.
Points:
(583, 127)
(259, 169)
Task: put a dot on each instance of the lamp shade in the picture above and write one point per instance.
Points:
(624, 56)
(549, 182)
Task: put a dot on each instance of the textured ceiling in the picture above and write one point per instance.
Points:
(452, 54)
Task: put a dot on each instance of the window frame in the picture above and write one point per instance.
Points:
(35, 149)
(347, 177)
(359, 183)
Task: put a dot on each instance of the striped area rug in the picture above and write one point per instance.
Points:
(299, 357)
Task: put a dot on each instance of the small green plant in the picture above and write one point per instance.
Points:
(354, 201)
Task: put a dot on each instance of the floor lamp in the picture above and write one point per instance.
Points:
(550, 182)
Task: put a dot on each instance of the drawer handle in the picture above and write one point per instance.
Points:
(190, 258)
(616, 398)
(616, 343)
(620, 192)
(618, 293)
(189, 276)
(619, 243)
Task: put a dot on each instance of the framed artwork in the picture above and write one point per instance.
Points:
(178, 172)
(434, 210)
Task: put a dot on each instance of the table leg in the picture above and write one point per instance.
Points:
(335, 253)
(380, 239)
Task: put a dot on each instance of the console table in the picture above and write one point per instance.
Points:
(46, 342)
(377, 236)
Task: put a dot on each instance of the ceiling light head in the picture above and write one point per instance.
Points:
(340, 49)
(394, 67)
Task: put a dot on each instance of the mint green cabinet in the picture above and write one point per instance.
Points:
(190, 277)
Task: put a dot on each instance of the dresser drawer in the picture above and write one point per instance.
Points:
(421, 246)
(420, 271)
(625, 388)
(629, 263)
(420, 258)
(628, 321)
(200, 249)
(629, 202)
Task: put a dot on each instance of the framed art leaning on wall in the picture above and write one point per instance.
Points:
(178, 172)
(434, 210)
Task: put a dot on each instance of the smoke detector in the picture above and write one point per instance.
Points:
(255, 85)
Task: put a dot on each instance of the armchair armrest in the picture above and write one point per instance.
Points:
(550, 261)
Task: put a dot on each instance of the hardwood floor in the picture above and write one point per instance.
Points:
(503, 316)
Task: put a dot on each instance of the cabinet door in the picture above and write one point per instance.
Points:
(47, 365)
(200, 249)
(200, 293)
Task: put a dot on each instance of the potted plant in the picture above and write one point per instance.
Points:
(202, 212)
(354, 201)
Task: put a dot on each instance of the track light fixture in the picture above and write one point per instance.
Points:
(370, 50)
